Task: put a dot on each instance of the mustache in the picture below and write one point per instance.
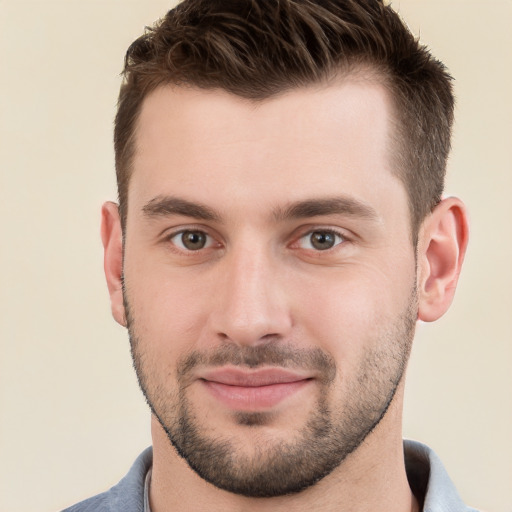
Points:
(268, 354)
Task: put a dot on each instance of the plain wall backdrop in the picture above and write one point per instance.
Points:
(72, 419)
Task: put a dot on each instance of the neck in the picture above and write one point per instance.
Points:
(372, 478)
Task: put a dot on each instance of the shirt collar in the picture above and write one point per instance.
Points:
(427, 476)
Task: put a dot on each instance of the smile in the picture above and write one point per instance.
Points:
(253, 390)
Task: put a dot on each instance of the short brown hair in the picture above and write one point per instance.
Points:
(259, 48)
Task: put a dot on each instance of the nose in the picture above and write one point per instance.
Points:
(251, 306)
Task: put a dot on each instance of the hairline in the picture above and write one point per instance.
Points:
(355, 69)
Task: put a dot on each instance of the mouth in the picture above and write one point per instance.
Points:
(253, 390)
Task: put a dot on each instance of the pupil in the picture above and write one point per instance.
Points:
(193, 240)
(322, 241)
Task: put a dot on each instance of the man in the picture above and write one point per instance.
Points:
(280, 230)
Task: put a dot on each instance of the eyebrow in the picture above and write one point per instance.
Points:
(326, 206)
(163, 206)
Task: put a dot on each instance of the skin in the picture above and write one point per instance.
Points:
(259, 280)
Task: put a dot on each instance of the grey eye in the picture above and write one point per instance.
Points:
(320, 240)
(191, 240)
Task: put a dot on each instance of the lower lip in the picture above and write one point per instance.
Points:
(245, 398)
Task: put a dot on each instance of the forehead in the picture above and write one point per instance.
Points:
(321, 113)
(212, 146)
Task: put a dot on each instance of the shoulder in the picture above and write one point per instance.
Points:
(126, 496)
(99, 503)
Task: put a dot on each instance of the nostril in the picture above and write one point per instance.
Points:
(270, 337)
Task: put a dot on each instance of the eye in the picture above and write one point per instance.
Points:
(191, 240)
(320, 240)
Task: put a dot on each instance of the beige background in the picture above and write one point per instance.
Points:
(71, 417)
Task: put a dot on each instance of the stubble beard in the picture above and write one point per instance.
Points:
(329, 436)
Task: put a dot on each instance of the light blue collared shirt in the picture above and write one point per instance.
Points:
(426, 473)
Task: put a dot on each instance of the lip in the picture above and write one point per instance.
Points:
(246, 390)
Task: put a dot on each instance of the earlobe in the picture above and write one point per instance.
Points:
(441, 248)
(111, 236)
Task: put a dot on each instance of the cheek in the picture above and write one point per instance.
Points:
(167, 308)
(347, 310)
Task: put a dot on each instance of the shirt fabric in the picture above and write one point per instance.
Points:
(426, 474)
(147, 481)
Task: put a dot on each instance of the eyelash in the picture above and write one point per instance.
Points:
(340, 239)
(174, 234)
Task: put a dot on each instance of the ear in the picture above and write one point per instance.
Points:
(442, 244)
(112, 238)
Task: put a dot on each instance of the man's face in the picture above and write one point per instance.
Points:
(270, 281)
